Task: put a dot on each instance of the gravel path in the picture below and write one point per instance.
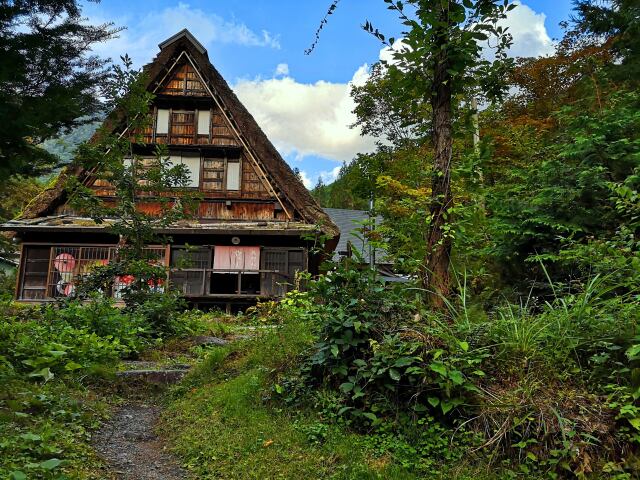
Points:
(129, 445)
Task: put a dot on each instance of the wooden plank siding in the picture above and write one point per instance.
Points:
(237, 211)
(184, 82)
(183, 129)
(213, 180)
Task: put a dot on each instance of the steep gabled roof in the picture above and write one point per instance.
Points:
(186, 34)
(253, 139)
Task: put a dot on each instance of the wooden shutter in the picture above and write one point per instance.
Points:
(272, 284)
(182, 127)
(233, 175)
(192, 162)
(190, 277)
(35, 269)
(204, 118)
(162, 121)
(213, 174)
(296, 263)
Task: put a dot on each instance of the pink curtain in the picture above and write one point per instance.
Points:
(236, 258)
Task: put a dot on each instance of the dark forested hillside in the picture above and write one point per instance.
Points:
(345, 192)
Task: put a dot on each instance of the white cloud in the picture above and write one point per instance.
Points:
(282, 70)
(329, 176)
(306, 180)
(306, 118)
(140, 40)
(313, 119)
(530, 37)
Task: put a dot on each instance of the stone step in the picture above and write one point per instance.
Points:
(160, 377)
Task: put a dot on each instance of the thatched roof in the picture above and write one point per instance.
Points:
(74, 223)
(279, 173)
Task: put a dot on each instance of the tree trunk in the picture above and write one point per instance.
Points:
(436, 277)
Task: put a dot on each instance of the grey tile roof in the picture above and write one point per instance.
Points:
(349, 221)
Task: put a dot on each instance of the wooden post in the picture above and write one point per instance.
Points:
(476, 125)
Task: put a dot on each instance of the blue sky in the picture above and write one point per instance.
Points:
(302, 102)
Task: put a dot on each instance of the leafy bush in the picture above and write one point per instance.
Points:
(47, 346)
(131, 330)
(7, 285)
(547, 386)
(378, 359)
(161, 313)
(564, 333)
(45, 429)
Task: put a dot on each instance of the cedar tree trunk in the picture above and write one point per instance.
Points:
(436, 277)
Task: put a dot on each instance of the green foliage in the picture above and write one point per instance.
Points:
(46, 348)
(17, 192)
(47, 354)
(517, 382)
(40, 98)
(617, 22)
(41, 344)
(345, 192)
(365, 350)
(45, 429)
(7, 285)
(570, 198)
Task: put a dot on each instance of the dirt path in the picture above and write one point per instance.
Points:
(128, 442)
(131, 448)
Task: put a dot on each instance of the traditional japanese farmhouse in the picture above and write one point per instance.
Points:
(255, 222)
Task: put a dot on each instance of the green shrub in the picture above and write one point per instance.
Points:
(99, 315)
(545, 387)
(45, 429)
(7, 285)
(160, 311)
(45, 347)
(567, 331)
(370, 350)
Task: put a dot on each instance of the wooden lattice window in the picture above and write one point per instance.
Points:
(35, 268)
(286, 262)
(221, 174)
(189, 270)
(213, 174)
(69, 264)
(182, 130)
(154, 255)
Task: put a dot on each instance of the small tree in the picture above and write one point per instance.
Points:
(440, 56)
(136, 181)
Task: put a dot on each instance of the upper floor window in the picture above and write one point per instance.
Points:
(190, 160)
(221, 174)
(183, 127)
